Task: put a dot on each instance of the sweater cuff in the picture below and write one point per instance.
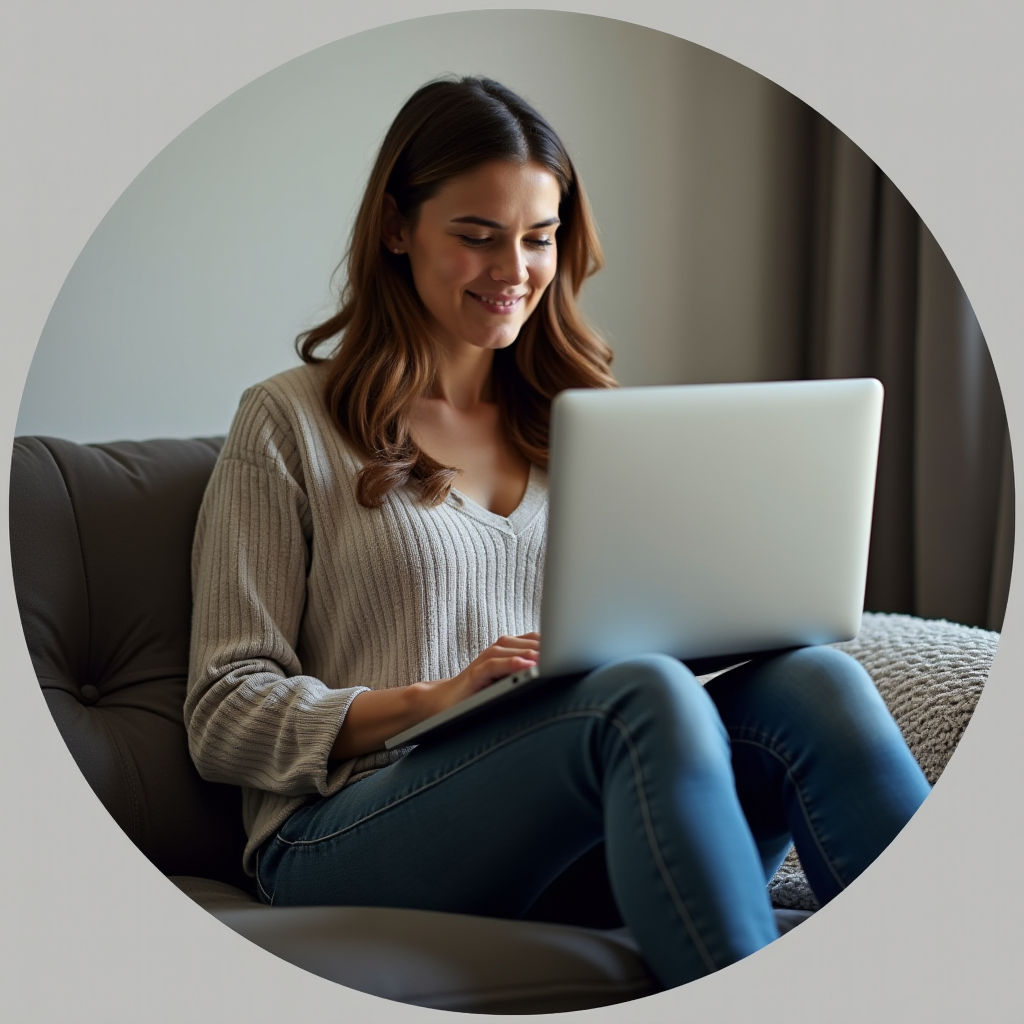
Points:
(332, 711)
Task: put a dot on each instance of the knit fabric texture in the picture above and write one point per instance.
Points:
(285, 560)
(930, 674)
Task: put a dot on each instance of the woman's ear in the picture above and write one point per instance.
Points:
(393, 230)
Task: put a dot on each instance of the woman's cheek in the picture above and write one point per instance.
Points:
(459, 268)
(544, 274)
(545, 265)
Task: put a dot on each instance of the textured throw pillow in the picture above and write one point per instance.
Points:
(930, 674)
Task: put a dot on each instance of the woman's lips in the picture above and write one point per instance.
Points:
(499, 305)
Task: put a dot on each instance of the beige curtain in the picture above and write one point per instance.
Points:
(882, 300)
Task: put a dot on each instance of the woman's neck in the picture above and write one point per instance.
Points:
(463, 380)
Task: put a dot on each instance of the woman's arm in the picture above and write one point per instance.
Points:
(254, 718)
(376, 715)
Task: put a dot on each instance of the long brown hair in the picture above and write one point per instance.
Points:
(384, 360)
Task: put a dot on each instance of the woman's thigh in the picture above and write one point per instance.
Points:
(477, 822)
(482, 821)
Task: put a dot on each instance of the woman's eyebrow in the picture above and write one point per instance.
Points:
(484, 223)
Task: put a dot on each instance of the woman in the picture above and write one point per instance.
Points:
(370, 549)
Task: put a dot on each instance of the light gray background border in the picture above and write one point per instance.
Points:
(931, 91)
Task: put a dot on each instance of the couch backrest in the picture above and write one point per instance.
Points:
(101, 538)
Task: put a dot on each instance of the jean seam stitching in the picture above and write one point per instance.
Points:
(259, 882)
(652, 841)
(763, 742)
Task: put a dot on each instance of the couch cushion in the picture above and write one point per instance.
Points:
(446, 961)
(449, 961)
(101, 538)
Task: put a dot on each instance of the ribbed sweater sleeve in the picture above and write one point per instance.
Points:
(253, 717)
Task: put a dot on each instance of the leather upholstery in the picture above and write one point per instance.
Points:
(446, 961)
(101, 537)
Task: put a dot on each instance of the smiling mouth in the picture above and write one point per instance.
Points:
(497, 305)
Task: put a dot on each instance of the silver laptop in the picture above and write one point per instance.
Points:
(700, 521)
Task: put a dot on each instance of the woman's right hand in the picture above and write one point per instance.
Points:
(375, 715)
(506, 655)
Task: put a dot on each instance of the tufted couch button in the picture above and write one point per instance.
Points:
(90, 694)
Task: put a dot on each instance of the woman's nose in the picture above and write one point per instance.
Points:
(510, 265)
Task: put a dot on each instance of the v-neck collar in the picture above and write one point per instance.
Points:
(520, 518)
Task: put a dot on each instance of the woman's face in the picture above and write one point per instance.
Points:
(482, 251)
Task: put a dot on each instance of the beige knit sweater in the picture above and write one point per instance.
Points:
(303, 599)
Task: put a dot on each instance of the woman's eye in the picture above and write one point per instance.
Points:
(476, 241)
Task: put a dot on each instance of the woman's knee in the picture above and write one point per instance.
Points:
(830, 679)
(655, 678)
(821, 688)
(658, 692)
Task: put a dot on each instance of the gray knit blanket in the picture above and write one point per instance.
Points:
(930, 674)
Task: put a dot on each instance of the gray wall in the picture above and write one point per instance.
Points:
(197, 280)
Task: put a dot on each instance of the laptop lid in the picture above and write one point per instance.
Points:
(704, 520)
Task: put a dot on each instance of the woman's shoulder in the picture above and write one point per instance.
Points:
(299, 388)
(283, 415)
(292, 401)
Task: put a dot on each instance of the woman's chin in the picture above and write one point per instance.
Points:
(493, 340)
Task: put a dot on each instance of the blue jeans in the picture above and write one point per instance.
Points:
(696, 791)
